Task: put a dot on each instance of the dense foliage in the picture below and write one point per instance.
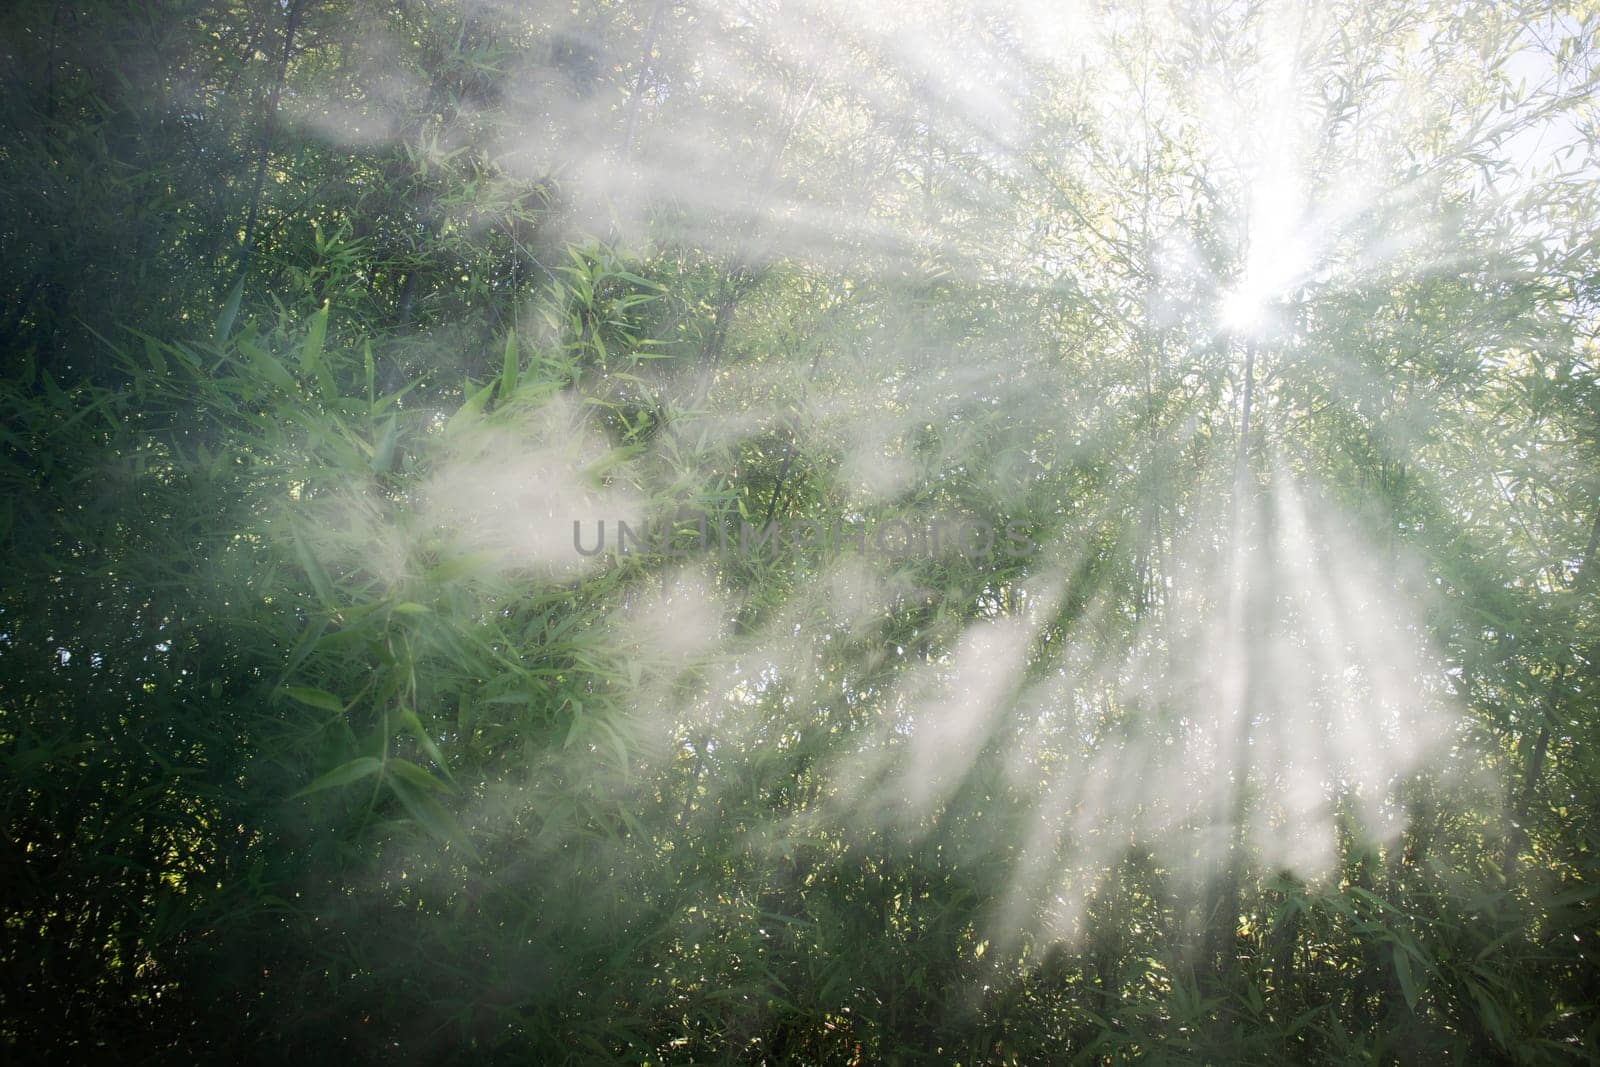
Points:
(1263, 335)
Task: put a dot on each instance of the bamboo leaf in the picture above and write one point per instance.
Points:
(230, 312)
(316, 698)
(510, 365)
(357, 769)
(316, 336)
(429, 814)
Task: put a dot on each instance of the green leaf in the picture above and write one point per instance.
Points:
(308, 641)
(1408, 981)
(409, 719)
(460, 566)
(636, 280)
(311, 351)
(268, 368)
(416, 775)
(519, 696)
(316, 698)
(383, 452)
(508, 372)
(469, 409)
(577, 723)
(319, 577)
(152, 353)
(230, 312)
(357, 769)
(429, 814)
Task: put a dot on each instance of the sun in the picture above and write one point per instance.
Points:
(1243, 309)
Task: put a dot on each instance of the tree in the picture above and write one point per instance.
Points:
(1115, 503)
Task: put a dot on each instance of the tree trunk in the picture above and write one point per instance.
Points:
(269, 128)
